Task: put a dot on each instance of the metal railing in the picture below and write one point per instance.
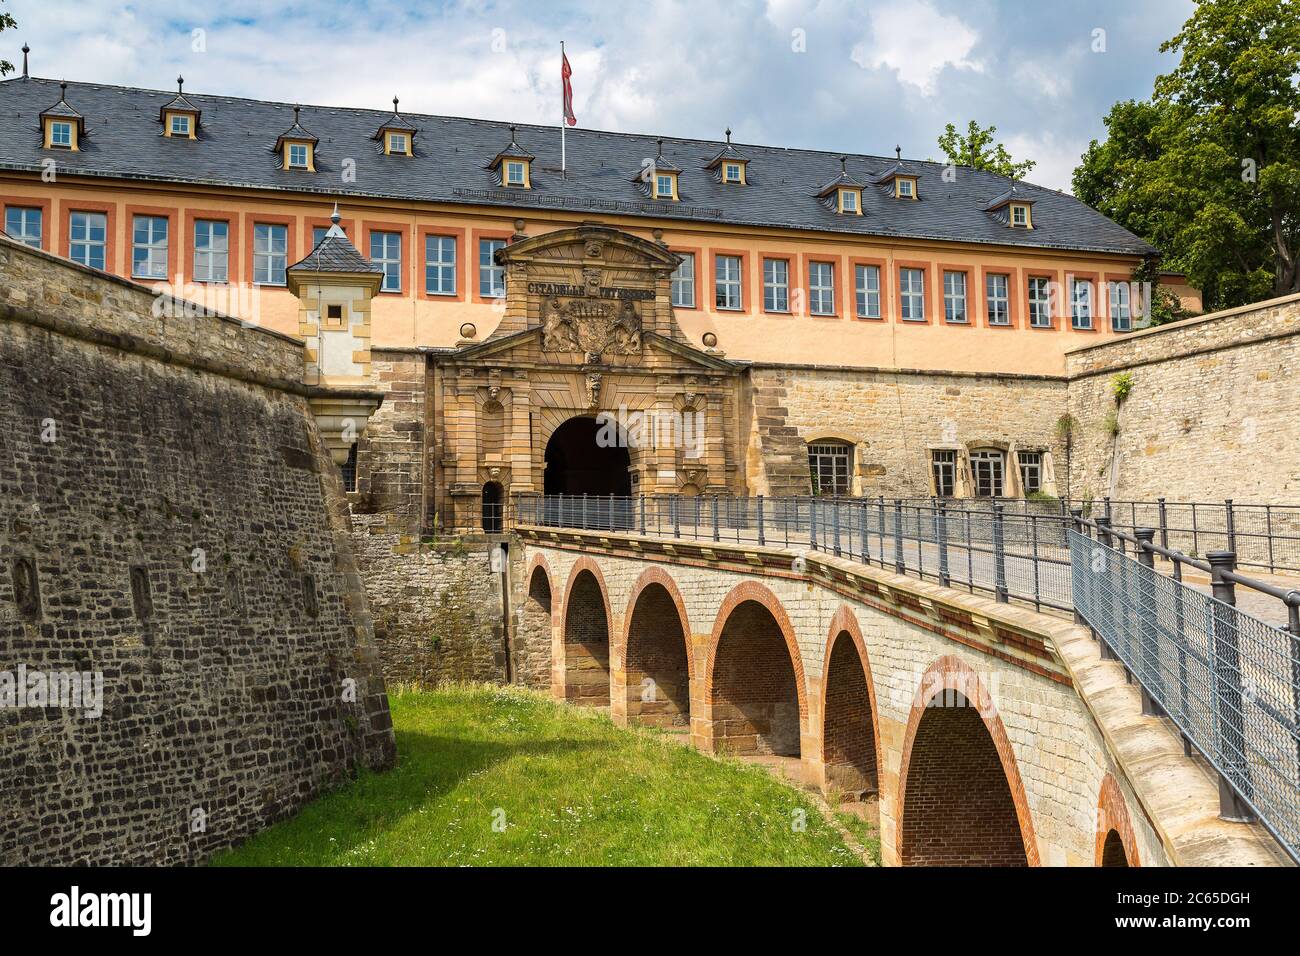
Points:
(1227, 680)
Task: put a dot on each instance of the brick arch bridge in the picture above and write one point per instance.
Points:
(959, 714)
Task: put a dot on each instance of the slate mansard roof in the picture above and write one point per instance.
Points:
(235, 148)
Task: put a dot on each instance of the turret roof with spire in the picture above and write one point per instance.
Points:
(335, 253)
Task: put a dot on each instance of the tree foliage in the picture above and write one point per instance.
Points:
(7, 22)
(976, 148)
(1208, 169)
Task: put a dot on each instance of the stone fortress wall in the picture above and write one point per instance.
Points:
(170, 520)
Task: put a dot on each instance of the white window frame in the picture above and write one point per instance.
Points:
(663, 186)
(61, 134)
(1121, 307)
(997, 301)
(954, 298)
(867, 290)
(515, 173)
(211, 250)
(906, 188)
(821, 288)
(1080, 306)
(491, 277)
(911, 294)
(731, 172)
(726, 285)
(397, 143)
(439, 270)
(776, 285)
(1019, 215)
(389, 258)
(291, 154)
(849, 200)
(22, 223)
(82, 244)
(683, 282)
(270, 253)
(154, 247)
(1040, 302)
(180, 124)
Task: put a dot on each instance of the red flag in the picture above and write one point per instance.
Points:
(565, 73)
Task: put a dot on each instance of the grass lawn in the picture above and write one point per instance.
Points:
(490, 776)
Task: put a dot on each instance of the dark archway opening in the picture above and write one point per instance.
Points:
(1112, 851)
(848, 737)
(577, 464)
(958, 809)
(658, 673)
(492, 516)
(586, 644)
(755, 695)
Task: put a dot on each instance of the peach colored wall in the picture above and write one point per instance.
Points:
(414, 318)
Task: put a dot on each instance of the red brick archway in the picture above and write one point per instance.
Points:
(850, 730)
(586, 627)
(961, 801)
(754, 684)
(1116, 842)
(656, 652)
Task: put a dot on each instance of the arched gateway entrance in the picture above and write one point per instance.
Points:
(577, 464)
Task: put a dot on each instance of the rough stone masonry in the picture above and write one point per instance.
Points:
(168, 520)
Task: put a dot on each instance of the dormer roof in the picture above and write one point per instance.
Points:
(895, 171)
(512, 151)
(662, 164)
(1014, 193)
(843, 181)
(179, 104)
(396, 123)
(728, 153)
(62, 111)
(296, 133)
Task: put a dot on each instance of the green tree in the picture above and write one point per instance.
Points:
(7, 22)
(1208, 170)
(976, 148)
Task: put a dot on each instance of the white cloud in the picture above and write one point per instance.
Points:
(917, 42)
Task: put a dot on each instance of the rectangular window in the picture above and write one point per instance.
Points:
(664, 187)
(440, 265)
(270, 252)
(88, 238)
(1019, 215)
(954, 296)
(867, 288)
(943, 466)
(61, 134)
(905, 188)
(821, 288)
(1121, 307)
(1081, 303)
(828, 466)
(986, 469)
(731, 172)
(848, 200)
(1031, 471)
(180, 125)
(1040, 302)
(397, 143)
(298, 155)
(997, 299)
(727, 284)
(24, 224)
(776, 285)
(149, 247)
(684, 282)
(491, 277)
(386, 252)
(911, 294)
(514, 174)
(211, 251)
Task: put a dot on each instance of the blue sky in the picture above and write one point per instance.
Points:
(828, 74)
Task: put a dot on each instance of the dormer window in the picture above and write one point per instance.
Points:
(665, 186)
(513, 165)
(657, 178)
(905, 187)
(180, 125)
(849, 202)
(1013, 207)
(728, 165)
(733, 173)
(397, 135)
(61, 134)
(297, 147)
(179, 117)
(1020, 215)
(843, 194)
(517, 173)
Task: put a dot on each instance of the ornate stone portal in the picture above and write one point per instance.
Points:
(588, 333)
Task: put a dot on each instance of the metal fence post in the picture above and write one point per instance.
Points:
(1230, 525)
(941, 534)
(999, 556)
(900, 565)
(677, 517)
(1103, 530)
(1147, 634)
(1226, 662)
(584, 511)
(835, 519)
(862, 527)
(1293, 625)
(642, 498)
(717, 532)
(762, 539)
(812, 523)
(1164, 523)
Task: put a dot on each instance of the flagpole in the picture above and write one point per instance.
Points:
(563, 119)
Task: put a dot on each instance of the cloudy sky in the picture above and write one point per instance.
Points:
(857, 75)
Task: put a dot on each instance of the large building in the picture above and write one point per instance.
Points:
(759, 319)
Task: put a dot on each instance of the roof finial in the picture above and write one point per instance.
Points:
(844, 165)
(26, 50)
(512, 134)
(334, 216)
(660, 143)
(295, 114)
(394, 104)
(898, 152)
(180, 85)
(63, 89)
(728, 135)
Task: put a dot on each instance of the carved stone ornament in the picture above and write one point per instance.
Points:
(594, 250)
(594, 380)
(590, 325)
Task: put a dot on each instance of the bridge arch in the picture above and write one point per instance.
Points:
(535, 648)
(584, 643)
(754, 691)
(656, 652)
(961, 801)
(850, 729)
(1116, 842)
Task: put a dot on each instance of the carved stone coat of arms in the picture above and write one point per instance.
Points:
(590, 325)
